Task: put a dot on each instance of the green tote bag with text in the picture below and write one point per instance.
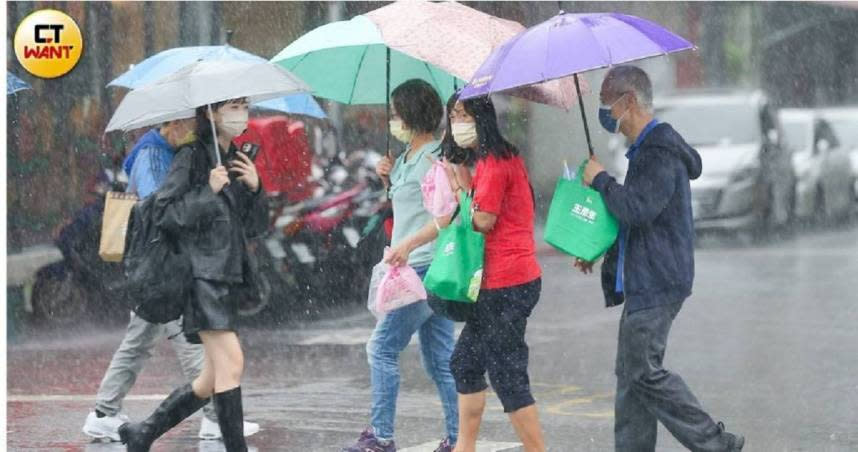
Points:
(579, 222)
(456, 273)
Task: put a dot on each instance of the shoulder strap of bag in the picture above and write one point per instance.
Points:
(459, 205)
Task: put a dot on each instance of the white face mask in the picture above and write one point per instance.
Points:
(233, 123)
(398, 130)
(464, 133)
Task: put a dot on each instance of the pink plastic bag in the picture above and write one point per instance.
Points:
(399, 287)
(438, 198)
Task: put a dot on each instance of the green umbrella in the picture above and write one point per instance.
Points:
(349, 62)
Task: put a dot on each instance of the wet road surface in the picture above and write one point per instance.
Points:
(767, 343)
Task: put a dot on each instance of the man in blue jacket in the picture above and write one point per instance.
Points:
(147, 165)
(650, 268)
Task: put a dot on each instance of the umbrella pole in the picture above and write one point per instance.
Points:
(583, 116)
(387, 102)
(214, 135)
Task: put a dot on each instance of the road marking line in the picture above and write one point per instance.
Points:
(482, 446)
(76, 398)
(567, 407)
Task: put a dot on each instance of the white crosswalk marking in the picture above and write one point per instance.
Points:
(482, 446)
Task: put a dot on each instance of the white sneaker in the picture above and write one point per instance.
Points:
(211, 430)
(104, 427)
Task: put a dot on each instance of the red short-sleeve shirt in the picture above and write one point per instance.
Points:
(501, 187)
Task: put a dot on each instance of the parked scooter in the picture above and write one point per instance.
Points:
(315, 247)
(314, 255)
(78, 286)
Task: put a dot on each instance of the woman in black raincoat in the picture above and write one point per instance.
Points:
(211, 210)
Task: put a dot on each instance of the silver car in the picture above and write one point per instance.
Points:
(747, 180)
(844, 122)
(825, 187)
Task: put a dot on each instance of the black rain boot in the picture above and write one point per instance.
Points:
(138, 437)
(230, 418)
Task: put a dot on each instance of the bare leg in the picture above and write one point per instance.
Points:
(224, 351)
(526, 424)
(205, 382)
(471, 407)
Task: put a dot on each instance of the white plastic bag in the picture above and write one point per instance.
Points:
(378, 273)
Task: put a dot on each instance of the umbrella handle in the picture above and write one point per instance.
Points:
(214, 135)
(583, 116)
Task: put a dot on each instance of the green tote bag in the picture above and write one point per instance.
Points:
(579, 222)
(456, 273)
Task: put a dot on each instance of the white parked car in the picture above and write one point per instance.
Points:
(844, 121)
(747, 181)
(825, 182)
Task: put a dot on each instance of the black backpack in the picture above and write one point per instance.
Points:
(158, 275)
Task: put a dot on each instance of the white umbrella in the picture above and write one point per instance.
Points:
(199, 84)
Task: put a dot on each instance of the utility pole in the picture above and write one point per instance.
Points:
(335, 110)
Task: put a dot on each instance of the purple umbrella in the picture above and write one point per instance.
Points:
(569, 44)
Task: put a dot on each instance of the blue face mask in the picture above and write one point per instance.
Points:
(608, 122)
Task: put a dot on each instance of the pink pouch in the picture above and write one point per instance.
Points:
(399, 287)
(438, 198)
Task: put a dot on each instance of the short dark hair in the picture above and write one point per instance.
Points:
(418, 104)
(491, 142)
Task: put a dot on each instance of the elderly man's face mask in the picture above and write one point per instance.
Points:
(607, 120)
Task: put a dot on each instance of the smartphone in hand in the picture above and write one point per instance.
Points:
(250, 150)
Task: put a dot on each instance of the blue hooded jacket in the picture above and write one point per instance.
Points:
(654, 206)
(148, 163)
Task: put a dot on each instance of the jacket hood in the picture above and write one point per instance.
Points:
(664, 136)
(151, 138)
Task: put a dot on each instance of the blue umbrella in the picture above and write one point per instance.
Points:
(303, 103)
(169, 61)
(14, 84)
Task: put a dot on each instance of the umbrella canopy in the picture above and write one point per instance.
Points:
(169, 61)
(413, 27)
(14, 84)
(202, 83)
(569, 44)
(347, 62)
(298, 104)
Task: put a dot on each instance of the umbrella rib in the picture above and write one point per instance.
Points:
(435, 80)
(300, 60)
(360, 65)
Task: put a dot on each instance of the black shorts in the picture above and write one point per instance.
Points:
(493, 341)
(213, 306)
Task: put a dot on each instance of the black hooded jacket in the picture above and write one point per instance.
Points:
(654, 207)
(212, 229)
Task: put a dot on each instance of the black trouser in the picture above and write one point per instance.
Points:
(647, 392)
(493, 341)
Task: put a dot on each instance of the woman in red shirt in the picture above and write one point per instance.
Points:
(493, 338)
